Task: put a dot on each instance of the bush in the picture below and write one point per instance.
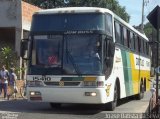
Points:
(10, 59)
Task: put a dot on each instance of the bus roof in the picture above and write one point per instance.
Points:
(74, 10)
(89, 10)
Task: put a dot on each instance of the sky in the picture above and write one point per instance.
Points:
(134, 9)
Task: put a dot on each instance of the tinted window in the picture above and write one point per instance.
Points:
(125, 37)
(132, 41)
(47, 51)
(147, 48)
(129, 39)
(118, 32)
(136, 43)
(109, 25)
(141, 45)
(63, 22)
(145, 43)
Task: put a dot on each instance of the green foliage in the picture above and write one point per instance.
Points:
(9, 58)
(110, 4)
(150, 31)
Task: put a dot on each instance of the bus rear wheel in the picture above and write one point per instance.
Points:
(141, 93)
(55, 105)
(112, 105)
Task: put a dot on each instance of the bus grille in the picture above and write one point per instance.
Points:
(62, 83)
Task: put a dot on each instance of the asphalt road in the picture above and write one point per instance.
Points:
(21, 109)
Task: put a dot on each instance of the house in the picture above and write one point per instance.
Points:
(15, 22)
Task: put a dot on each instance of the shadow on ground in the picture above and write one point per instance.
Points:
(75, 109)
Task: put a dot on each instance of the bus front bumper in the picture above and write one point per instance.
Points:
(67, 95)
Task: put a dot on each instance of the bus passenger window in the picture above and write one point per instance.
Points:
(141, 46)
(136, 44)
(145, 47)
(117, 32)
(129, 39)
(125, 37)
(132, 41)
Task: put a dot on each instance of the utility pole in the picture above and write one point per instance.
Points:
(142, 25)
(144, 2)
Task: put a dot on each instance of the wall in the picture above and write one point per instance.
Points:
(10, 13)
(10, 17)
(27, 12)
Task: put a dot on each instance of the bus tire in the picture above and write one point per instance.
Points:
(55, 105)
(141, 94)
(112, 105)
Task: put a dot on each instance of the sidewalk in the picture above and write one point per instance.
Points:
(11, 98)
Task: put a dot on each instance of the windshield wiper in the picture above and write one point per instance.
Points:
(53, 66)
(73, 62)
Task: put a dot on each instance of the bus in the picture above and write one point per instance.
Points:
(84, 55)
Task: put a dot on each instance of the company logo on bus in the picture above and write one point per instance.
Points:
(61, 83)
(43, 78)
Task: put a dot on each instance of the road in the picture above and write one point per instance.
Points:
(21, 109)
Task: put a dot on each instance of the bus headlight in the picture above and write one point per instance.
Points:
(35, 83)
(32, 93)
(90, 94)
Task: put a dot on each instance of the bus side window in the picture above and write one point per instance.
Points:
(108, 55)
(109, 25)
(147, 48)
(125, 37)
(129, 39)
(109, 49)
(136, 44)
(142, 45)
(139, 44)
(132, 41)
(117, 32)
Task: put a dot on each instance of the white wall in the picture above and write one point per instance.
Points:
(10, 13)
(10, 16)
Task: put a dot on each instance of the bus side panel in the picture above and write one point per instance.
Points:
(128, 78)
(135, 74)
(117, 73)
(145, 71)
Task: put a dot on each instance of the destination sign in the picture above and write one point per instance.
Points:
(79, 32)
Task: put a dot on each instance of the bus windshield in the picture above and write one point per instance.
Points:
(74, 54)
(82, 54)
(47, 52)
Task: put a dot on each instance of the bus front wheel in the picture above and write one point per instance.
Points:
(112, 105)
(55, 105)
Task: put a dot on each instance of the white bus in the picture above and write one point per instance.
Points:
(85, 55)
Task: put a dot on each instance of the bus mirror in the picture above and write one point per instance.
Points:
(24, 49)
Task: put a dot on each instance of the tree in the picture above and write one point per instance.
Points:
(110, 4)
(9, 58)
(150, 31)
